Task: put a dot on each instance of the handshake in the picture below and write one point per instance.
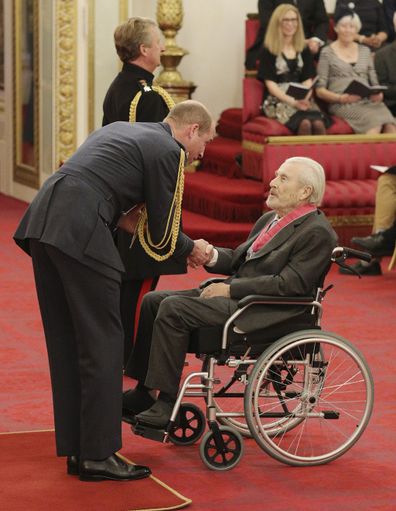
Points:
(201, 254)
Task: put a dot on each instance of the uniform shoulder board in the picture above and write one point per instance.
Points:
(144, 87)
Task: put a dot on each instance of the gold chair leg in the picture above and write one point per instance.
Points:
(392, 262)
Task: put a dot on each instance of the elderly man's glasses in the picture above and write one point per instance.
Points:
(289, 20)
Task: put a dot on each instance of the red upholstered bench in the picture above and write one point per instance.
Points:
(350, 192)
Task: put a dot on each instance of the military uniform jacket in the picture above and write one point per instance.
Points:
(151, 107)
(131, 80)
(118, 166)
(292, 263)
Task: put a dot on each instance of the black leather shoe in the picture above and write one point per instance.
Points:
(112, 468)
(73, 465)
(371, 269)
(158, 416)
(135, 401)
(377, 244)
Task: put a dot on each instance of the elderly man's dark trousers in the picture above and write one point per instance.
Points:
(80, 309)
(165, 324)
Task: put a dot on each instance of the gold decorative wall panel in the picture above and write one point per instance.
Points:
(66, 79)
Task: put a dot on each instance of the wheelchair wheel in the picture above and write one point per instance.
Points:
(222, 455)
(229, 393)
(191, 425)
(321, 410)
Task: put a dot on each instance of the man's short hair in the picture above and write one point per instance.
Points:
(191, 112)
(311, 174)
(130, 35)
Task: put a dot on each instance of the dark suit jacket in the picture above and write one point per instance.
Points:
(390, 9)
(293, 263)
(313, 15)
(117, 167)
(385, 65)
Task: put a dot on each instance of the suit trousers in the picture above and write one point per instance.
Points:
(385, 202)
(80, 310)
(166, 321)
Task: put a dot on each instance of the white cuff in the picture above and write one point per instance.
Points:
(213, 261)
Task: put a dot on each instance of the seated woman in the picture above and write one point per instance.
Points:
(285, 59)
(341, 62)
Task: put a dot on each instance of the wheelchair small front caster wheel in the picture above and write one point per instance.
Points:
(224, 453)
(191, 425)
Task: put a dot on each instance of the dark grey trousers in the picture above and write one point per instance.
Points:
(80, 309)
(166, 321)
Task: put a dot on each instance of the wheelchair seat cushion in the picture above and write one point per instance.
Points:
(208, 340)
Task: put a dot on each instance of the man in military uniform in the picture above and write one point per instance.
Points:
(68, 231)
(133, 97)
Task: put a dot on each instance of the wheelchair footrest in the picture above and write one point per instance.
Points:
(330, 414)
(159, 435)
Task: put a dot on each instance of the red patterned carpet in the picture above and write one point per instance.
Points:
(363, 479)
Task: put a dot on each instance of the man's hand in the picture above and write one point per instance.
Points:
(216, 289)
(201, 254)
(313, 45)
(128, 221)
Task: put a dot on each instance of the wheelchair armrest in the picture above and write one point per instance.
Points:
(211, 280)
(267, 300)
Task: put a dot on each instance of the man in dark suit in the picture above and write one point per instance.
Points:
(68, 231)
(286, 254)
(133, 97)
(314, 18)
(385, 65)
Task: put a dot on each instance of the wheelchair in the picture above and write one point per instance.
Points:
(303, 394)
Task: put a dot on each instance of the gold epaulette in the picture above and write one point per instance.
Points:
(156, 88)
(172, 225)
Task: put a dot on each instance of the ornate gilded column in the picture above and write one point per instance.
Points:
(66, 79)
(169, 18)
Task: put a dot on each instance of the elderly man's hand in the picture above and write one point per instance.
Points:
(201, 254)
(216, 289)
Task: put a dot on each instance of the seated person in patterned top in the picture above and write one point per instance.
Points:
(286, 254)
(341, 62)
(285, 59)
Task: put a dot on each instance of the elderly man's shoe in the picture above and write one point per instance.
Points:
(73, 465)
(135, 401)
(371, 269)
(158, 416)
(377, 244)
(112, 468)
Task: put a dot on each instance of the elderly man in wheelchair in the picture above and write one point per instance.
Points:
(262, 322)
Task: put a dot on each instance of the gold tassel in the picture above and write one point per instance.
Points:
(172, 226)
(171, 233)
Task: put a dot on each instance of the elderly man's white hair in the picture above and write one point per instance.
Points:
(312, 174)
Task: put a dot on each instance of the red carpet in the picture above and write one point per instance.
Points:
(32, 478)
(363, 479)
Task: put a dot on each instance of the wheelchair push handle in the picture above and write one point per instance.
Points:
(340, 254)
